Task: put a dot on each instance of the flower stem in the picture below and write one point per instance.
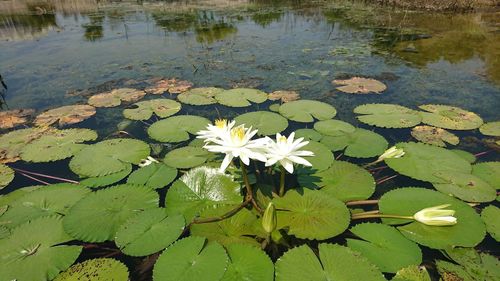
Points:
(44, 175)
(245, 180)
(362, 202)
(224, 216)
(282, 181)
(35, 179)
(370, 216)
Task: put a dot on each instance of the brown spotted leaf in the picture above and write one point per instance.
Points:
(284, 96)
(359, 85)
(12, 118)
(65, 115)
(433, 135)
(116, 97)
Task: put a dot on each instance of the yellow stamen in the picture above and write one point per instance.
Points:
(282, 139)
(220, 123)
(238, 132)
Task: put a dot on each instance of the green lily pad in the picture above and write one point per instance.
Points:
(237, 229)
(471, 266)
(154, 175)
(307, 110)
(467, 156)
(12, 143)
(489, 172)
(468, 232)
(200, 188)
(312, 215)
(361, 143)
(248, 263)
(6, 175)
(4, 232)
(423, 161)
(97, 217)
(100, 269)
(308, 134)
(145, 109)
(240, 97)
(10, 197)
(490, 129)
(274, 107)
(149, 232)
(300, 263)
(491, 217)
(191, 259)
(434, 136)
(177, 128)
(465, 186)
(268, 123)
(412, 273)
(333, 127)
(55, 199)
(30, 252)
(343, 180)
(57, 146)
(388, 115)
(450, 117)
(108, 157)
(200, 96)
(106, 180)
(323, 157)
(187, 157)
(116, 97)
(384, 246)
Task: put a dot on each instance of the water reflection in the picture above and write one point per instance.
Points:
(94, 29)
(26, 27)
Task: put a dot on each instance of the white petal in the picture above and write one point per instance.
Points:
(225, 162)
(288, 165)
(300, 160)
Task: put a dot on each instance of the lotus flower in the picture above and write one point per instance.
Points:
(237, 142)
(148, 161)
(218, 130)
(286, 151)
(436, 216)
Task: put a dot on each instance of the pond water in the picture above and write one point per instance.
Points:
(55, 53)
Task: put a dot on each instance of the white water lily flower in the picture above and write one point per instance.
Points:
(286, 151)
(238, 142)
(148, 161)
(212, 132)
(436, 216)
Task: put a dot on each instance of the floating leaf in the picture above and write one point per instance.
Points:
(384, 246)
(449, 117)
(359, 85)
(308, 134)
(191, 259)
(108, 157)
(199, 188)
(423, 161)
(100, 269)
(4, 232)
(12, 143)
(6, 199)
(300, 263)
(55, 199)
(248, 263)
(307, 110)
(343, 180)
(154, 175)
(6, 175)
(284, 96)
(200, 96)
(274, 107)
(240, 97)
(57, 146)
(65, 115)
(467, 156)
(33, 252)
(177, 128)
(97, 217)
(268, 123)
(465, 186)
(489, 172)
(312, 215)
(471, 265)
(187, 157)
(412, 273)
(491, 217)
(361, 143)
(106, 180)
(149, 232)
(388, 115)
(144, 109)
(468, 231)
(116, 97)
(323, 157)
(172, 86)
(490, 129)
(434, 136)
(333, 127)
(12, 118)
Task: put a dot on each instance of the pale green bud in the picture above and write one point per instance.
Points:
(269, 219)
(392, 152)
(436, 216)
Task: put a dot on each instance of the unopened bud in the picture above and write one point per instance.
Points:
(269, 219)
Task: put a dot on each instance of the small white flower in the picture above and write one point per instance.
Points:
(218, 130)
(237, 142)
(147, 161)
(436, 216)
(286, 151)
(392, 152)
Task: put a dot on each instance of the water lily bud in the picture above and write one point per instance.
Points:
(436, 216)
(392, 152)
(269, 219)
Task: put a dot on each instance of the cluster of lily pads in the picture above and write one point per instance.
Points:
(228, 202)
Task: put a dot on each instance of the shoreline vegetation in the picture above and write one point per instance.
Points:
(441, 5)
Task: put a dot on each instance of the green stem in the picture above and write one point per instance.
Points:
(245, 180)
(370, 216)
(362, 202)
(224, 216)
(282, 181)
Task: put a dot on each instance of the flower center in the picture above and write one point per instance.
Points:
(282, 139)
(238, 133)
(220, 123)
